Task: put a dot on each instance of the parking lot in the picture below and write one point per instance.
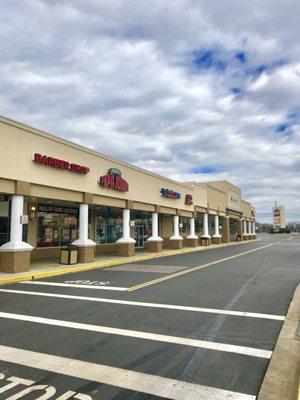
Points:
(194, 326)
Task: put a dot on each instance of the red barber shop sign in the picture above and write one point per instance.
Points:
(60, 164)
(113, 180)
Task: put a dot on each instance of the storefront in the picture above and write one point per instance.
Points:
(56, 225)
(66, 194)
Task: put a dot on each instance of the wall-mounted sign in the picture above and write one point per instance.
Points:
(113, 180)
(48, 209)
(60, 164)
(188, 199)
(170, 194)
(276, 212)
(234, 197)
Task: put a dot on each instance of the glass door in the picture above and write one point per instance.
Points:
(139, 235)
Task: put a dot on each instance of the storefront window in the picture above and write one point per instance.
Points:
(109, 225)
(56, 225)
(4, 220)
(183, 225)
(198, 226)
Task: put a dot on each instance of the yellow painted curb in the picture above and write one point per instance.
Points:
(113, 263)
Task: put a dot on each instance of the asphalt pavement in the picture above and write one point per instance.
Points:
(200, 325)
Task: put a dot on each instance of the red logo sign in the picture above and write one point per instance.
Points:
(188, 199)
(60, 164)
(114, 181)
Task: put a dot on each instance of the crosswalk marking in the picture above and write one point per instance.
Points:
(75, 285)
(152, 305)
(248, 351)
(127, 379)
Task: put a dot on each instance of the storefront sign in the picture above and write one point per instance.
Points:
(46, 208)
(114, 180)
(170, 194)
(235, 198)
(188, 199)
(60, 164)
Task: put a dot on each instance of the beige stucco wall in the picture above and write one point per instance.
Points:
(246, 209)
(233, 193)
(16, 164)
(216, 199)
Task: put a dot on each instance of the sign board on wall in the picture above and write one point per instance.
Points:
(53, 209)
(113, 180)
(188, 199)
(170, 194)
(60, 164)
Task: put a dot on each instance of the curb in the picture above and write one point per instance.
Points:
(281, 380)
(113, 263)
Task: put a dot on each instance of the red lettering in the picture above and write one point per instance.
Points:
(57, 163)
(38, 158)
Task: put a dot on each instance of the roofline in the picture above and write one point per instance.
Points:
(224, 180)
(66, 142)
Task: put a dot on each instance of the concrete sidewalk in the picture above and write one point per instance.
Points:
(282, 377)
(44, 269)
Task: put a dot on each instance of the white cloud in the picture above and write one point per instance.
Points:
(108, 73)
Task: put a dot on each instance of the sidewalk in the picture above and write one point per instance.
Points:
(282, 377)
(47, 268)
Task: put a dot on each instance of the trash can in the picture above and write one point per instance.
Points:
(68, 255)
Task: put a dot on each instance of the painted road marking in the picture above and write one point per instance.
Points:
(124, 378)
(50, 390)
(89, 282)
(192, 269)
(74, 285)
(153, 305)
(248, 351)
(153, 268)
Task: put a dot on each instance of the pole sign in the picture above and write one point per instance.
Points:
(170, 194)
(113, 180)
(60, 164)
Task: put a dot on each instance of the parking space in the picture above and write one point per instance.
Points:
(206, 334)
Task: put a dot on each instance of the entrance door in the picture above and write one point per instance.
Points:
(139, 235)
(233, 230)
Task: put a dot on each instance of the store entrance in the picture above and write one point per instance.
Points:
(142, 229)
(233, 230)
(139, 236)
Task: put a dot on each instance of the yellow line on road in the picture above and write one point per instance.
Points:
(192, 269)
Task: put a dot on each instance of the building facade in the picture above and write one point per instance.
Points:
(54, 193)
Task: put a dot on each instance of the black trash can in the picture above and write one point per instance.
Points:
(68, 255)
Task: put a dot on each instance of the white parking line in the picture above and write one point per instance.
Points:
(152, 305)
(75, 285)
(248, 351)
(124, 378)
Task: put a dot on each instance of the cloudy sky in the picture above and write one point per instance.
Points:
(190, 89)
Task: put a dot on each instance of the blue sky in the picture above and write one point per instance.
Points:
(188, 89)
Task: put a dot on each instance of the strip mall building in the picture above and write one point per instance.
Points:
(54, 192)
